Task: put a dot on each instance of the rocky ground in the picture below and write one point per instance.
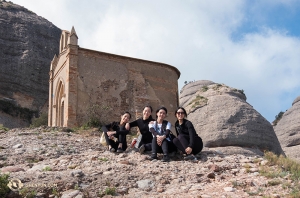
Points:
(54, 163)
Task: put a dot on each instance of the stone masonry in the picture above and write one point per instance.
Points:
(89, 85)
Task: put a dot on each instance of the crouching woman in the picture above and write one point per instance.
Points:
(187, 139)
(160, 130)
(115, 134)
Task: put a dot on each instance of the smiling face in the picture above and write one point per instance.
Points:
(146, 113)
(125, 118)
(161, 114)
(180, 114)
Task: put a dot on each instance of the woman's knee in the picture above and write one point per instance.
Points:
(176, 141)
(180, 137)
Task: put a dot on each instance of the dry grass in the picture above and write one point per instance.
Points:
(282, 167)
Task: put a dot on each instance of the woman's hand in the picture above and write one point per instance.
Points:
(160, 139)
(188, 150)
(110, 133)
(127, 126)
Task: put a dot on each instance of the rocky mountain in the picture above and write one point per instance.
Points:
(46, 162)
(28, 43)
(225, 121)
(288, 130)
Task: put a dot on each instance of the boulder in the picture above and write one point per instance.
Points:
(288, 130)
(223, 118)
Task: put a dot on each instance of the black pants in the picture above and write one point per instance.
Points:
(160, 149)
(113, 144)
(165, 147)
(146, 141)
(148, 146)
(182, 142)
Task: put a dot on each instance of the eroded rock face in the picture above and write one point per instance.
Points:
(288, 130)
(222, 117)
(28, 43)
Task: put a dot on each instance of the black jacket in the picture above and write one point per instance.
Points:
(187, 128)
(115, 126)
(144, 128)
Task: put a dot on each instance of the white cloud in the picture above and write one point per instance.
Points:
(195, 37)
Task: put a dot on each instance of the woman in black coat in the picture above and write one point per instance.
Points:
(142, 123)
(115, 134)
(187, 139)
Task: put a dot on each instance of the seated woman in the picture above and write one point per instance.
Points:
(115, 134)
(146, 137)
(187, 139)
(160, 130)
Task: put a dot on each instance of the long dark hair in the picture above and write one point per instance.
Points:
(185, 115)
(163, 108)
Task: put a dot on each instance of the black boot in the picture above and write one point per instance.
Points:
(153, 156)
(166, 158)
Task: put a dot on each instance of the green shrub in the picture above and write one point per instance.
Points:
(47, 168)
(28, 193)
(4, 190)
(104, 159)
(198, 101)
(204, 88)
(108, 191)
(278, 118)
(93, 122)
(40, 121)
(242, 92)
(3, 128)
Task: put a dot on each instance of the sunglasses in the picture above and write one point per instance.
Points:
(180, 112)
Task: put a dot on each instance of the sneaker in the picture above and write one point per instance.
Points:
(166, 158)
(119, 150)
(142, 149)
(189, 157)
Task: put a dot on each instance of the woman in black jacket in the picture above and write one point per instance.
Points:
(115, 134)
(142, 123)
(187, 139)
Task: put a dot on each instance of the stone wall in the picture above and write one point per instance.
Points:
(111, 84)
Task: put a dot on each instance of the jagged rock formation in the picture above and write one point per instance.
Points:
(224, 119)
(288, 130)
(28, 43)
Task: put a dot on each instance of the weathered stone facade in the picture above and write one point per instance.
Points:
(87, 84)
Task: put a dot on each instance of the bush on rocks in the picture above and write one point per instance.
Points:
(4, 190)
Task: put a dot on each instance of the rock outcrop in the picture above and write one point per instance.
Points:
(28, 43)
(288, 130)
(223, 119)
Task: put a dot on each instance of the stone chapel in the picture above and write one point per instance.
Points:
(87, 85)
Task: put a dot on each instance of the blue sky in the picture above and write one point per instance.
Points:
(250, 45)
